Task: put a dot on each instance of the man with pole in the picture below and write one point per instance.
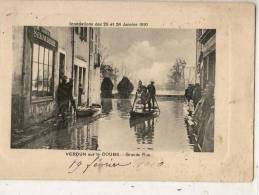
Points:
(152, 93)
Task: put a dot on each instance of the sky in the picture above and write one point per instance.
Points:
(147, 54)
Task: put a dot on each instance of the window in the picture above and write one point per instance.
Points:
(76, 30)
(62, 58)
(83, 33)
(92, 33)
(42, 71)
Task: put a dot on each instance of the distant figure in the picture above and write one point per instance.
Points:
(189, 92)
(152, 93)
(63, 97)
(80, 92)
(196, 95)
(141, 94)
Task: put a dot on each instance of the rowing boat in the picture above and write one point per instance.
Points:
(133, 121)
(84, 111)
(146, 113)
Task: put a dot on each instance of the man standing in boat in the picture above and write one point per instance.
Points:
(152, 93)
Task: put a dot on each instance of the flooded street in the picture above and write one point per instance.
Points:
(113, 130)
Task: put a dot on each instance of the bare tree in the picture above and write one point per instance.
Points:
(103, 54)
(176, 73)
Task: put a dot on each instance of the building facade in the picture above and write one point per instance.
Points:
(42, 56)
(205, 56)
(86, 70)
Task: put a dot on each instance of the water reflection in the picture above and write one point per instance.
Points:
(144, 130)
(84, 137)
(115, 131)
(106, 105)
(124, 106)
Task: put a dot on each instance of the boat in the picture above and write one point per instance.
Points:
(133, 121)
(137, 114)
(86, 112)
(139, 111)
(83, 111)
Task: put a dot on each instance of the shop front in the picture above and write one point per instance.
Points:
(37, 97)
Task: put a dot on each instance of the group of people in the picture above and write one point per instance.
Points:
(146, 95)
(193, 92)
(65, 95)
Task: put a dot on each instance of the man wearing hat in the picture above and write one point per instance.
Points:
(152, 93)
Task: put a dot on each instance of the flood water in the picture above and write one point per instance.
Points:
(114, 131)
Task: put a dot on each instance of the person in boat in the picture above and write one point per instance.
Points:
(141, 95)
(151, 95)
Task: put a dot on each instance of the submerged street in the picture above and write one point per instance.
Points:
(113, 130)
(80, 82)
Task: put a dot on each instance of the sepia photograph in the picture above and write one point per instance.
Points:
(112, 92)
(121, 89)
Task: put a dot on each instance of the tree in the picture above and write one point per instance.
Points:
(103, 55)
(106, 87)
(125, 87)
(176, 73)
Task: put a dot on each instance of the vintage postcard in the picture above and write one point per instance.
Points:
(127, 91)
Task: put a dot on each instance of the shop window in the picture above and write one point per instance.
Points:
(42, 71)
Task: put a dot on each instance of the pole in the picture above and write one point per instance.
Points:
(157, 104)
(134, 102)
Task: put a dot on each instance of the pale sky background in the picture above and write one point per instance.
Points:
(147, 54)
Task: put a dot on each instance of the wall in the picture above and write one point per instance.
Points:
(17, 108)
(95, 78)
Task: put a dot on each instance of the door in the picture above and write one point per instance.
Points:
(61, 65)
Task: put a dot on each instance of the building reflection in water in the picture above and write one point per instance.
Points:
(124, 106)
(106, 105)
(113, 131)
(81, 135)
(84, 137)
(144, 131)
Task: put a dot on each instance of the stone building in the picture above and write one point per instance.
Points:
(202, 126)
(206, 56)
(41, 57)
(86, 68)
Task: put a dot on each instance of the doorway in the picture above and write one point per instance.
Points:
(61, 66)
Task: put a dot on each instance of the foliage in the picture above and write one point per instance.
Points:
(176, 72)
(125, 87)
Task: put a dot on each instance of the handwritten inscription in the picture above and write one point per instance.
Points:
(98, 162)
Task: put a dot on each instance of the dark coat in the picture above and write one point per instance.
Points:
(151, 90)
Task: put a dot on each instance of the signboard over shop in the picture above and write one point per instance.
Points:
(39, 36)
